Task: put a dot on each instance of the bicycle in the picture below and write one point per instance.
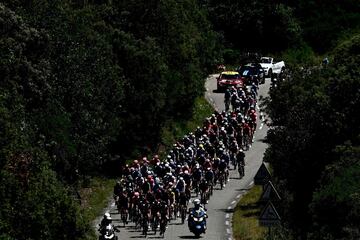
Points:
(241, 170)
(183, 213)
(124, 216)
(163, 224)
(145, 226)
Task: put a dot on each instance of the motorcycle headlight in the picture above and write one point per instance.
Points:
(201, 219)
(196, 219)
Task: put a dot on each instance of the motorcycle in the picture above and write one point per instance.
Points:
(197, 222)
(108, 233)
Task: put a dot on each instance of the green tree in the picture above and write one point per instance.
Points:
(312, 114)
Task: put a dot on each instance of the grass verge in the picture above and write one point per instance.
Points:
(174, 130)
(95, 197)
(245, 219)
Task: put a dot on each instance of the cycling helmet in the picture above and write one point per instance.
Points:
(196, 202)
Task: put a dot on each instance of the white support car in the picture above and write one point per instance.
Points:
(270, 67)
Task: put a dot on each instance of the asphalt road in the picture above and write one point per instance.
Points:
(222, 202)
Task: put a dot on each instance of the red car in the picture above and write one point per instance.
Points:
(229, 79)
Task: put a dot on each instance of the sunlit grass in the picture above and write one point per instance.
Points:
(245, 219)
(95, 197)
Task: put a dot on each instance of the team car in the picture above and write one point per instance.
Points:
(250, 71)
(229, 79)
(271, 67)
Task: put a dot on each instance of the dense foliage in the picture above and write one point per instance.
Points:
(81, 84)
(314, 147)
(268, 26)
(84, 81)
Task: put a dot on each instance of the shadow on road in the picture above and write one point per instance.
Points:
(179, 223)
(242, 189)
(189, 237)
(225, 210)
(217, 91)
(263, 140)
(154, 237)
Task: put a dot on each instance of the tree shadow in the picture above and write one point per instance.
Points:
(217, 91)
(248, 207)
(225, 210)
(252, 214)
(154, 237)
(172, 223)
(263, 140)
(189, 237)
(242, 189)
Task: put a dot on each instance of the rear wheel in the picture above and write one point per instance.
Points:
(270, 73)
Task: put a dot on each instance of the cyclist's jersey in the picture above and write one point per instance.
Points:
(234, 147)
(182, 200)
(207, 164)
(253, 116)
(156, 207)
(146, 187)
(240, 157)
(209, 176)
(171, 196)
(187, 178)
(123, 201)
(222, 166)
(181, 186)
(197, 174)
(246, 129)
(227, 95)
(203, 186)
(216, 163)
(118, 189)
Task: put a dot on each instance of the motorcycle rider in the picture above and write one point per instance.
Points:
(198, 210)
(106, 221)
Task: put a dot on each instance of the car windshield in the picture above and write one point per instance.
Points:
(229, 76)
(247, 71)
(265, 60)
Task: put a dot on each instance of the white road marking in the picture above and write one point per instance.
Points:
(113, 204)
(233, 202)
(228, 231)
(251, 183)
(229, 207)
(229, 238)
(238, 196)
(227, 223)
(227, 215)
(261, 126)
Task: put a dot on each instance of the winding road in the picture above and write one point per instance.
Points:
(222, 203)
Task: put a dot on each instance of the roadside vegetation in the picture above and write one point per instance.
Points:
(87, 85)
(314, 148)
(176, 128)
(245, 222)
